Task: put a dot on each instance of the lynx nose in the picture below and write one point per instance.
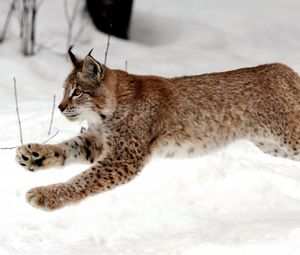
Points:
(61, 107)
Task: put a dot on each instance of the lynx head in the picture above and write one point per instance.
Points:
(88, 91)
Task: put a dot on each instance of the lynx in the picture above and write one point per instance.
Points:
(133, 117)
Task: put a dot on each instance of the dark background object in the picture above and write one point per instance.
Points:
(111, 16)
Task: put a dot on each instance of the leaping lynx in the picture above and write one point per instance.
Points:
(132, 117)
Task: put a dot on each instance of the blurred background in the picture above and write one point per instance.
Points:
(233, 201)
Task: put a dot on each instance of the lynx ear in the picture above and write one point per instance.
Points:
(72, 57)
(92, 68)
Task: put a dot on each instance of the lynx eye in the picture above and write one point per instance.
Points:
(77, 93)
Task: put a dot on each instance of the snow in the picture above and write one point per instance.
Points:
(234, 201)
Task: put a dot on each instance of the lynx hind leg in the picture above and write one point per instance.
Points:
(34, 157)
(274, 149)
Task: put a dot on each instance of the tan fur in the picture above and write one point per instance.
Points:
(133, 117)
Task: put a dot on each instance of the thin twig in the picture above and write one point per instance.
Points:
(70, 20)
(52, 114)
(107, 45)
(79, 32)
(22, 21)
(6, 23)
(14, 147)
(33, 19)
(75, 10)
(17, 109)
(8, 148)
(66, 10)
(50, 138)
(39, 4)
(19, 121)
(126, 65)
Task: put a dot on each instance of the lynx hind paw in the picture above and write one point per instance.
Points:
(34, 157)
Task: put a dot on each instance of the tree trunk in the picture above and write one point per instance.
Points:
(111, 16)
(6, 23)
(28, 27)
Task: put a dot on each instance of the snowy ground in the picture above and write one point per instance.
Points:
(234, 201)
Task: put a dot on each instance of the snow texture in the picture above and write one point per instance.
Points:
(234, 201)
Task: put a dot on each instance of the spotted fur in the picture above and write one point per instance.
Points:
(133, 117)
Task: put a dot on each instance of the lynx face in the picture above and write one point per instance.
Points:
(87, 95)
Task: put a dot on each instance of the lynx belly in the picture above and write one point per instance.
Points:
(182, 150)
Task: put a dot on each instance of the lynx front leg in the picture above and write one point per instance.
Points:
(117, 168)
(127, 151)
(86, 147)
(101, 177)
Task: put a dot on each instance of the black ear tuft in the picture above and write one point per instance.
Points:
(89, 54)
(73, 58)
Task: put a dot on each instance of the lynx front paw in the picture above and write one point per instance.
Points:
(35, 156)
(47, 198)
